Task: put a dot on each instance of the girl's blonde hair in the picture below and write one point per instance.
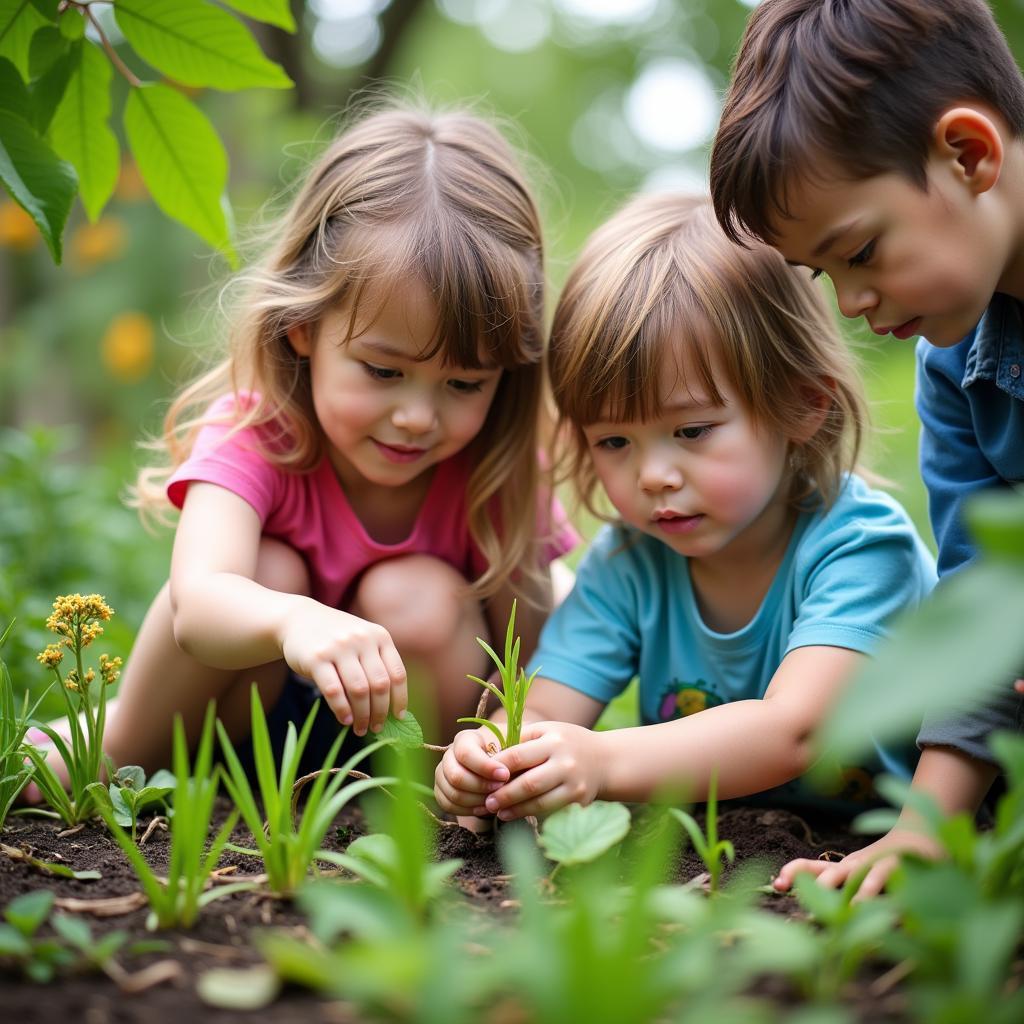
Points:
(661, 275)
(403, 192)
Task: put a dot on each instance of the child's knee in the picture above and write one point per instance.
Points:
(280, 567)
(422, 602)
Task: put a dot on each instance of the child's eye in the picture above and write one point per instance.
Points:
(466, 386)
(693, 433)
(611, 444)
(860, 258)
(381, 372)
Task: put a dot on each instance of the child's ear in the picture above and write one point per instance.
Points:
(971, 139)
(300, 337)
(817, 402)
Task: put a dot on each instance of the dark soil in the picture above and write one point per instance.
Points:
(221, 937)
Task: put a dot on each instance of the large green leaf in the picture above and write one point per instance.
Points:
(79, 130)
(273, 12)
(40, 182)
(577, 834)
(996, 520)
(181, 160)
(956, 650)
(197, 44)
(14, 95)
(19, 20)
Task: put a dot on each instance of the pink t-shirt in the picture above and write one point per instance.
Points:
(310, 512)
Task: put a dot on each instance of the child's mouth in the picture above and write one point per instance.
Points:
(399, 452)
(904, 330)
(675, 522)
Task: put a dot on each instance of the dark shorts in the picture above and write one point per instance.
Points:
(294, 704)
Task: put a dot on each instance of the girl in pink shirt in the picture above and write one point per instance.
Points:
(358, 478)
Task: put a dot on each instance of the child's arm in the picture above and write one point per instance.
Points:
(752, 745)
(955, 781)
(226, 620)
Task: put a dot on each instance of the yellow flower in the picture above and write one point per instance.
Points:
(109, 668)
(127, 346)
(51, 657)
(17, 229)
(75, 617)
(94, 243)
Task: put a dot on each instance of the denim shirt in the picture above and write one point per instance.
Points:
(971, 402)
(970, 398)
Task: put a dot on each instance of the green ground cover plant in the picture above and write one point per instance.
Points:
(15, 770)
(289, 843)
(131, 792)
(176, 901)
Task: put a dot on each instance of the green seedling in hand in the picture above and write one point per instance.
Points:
(176, 901)
(76, 618)
(711, 850)
(288, 845)
(515, 685)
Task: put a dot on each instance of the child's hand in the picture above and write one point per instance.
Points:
(354, 664)
(467, 772)
(554, 764)
(881, 858)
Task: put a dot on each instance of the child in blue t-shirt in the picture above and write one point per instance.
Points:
(883, 145)
(748, 572)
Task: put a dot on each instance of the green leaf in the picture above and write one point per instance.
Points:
(130, 776)
(72, 24)
(40, 182)
(250, 988)
(956, 650)
(273, 12)
(404, 732)
(13, 943)
(996, 519)
(28, 911)
(181, 160)
(48, 91)
(72, 929)
(79, 129)
(14, 95)
(19, 21)
(577, 834)
(197, 44)
(47, 47)
(47, 8)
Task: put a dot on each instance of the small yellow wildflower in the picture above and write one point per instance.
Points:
(51, 657)
(75, 616)
(110, 668)
(128, 346)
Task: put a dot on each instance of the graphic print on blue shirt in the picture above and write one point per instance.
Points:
(680, 699)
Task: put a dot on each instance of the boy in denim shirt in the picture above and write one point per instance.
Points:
(882, 142)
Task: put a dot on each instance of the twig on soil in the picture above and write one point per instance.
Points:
(71, 831)
(883, 984)
(159, 821)
(132, 983)
(107, 906)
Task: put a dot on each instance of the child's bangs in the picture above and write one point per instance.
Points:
(487, 298)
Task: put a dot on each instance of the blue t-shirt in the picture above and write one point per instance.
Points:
(846, 571)
(970, 398)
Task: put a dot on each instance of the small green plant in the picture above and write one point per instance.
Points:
(289, 848)
(579, 835)
(176, 901)
(14, 771)
(131, 792)
(711, 850)
(76, 619)
(515, 685)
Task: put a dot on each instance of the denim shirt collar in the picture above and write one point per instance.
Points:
(997, 350)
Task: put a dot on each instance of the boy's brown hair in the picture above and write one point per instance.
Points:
(857, 83)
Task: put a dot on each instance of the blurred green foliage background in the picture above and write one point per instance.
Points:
(606, 96)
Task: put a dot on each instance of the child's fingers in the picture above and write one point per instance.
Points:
(398, 679)
(379, 682)
(463, 780)
(331, 689)
(469, 751)
(783, 881)
(524, 755)
(357, 690)
(532, 785)
(546, 803)
(454, 799)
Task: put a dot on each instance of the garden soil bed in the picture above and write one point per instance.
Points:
(221, 937)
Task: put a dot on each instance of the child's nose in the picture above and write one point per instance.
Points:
(418, 416)
(658, 474)
(855, 300)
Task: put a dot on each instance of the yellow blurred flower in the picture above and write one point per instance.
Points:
(127, 346)
(94, 243)
(52, 656)
(17, 229)
(110, 668)
(130, 186)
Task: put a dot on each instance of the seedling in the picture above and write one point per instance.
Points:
(711, 850)
(286, 847)
(515, 685)
(176, 901)
(76, 618)
(14, 772)
(130, 792)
